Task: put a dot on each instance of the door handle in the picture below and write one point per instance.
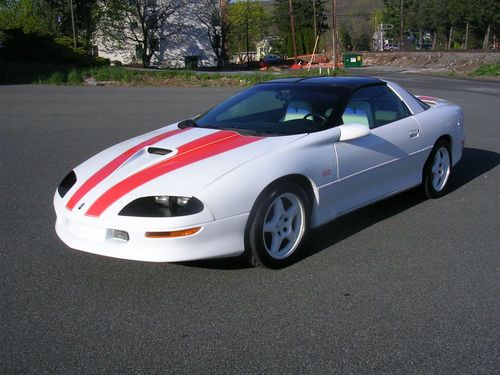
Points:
(414, 133)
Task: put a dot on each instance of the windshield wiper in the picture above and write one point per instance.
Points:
(253, 132)
(189, 123)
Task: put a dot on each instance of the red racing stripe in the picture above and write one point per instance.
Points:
(190, 153)
(113, 165)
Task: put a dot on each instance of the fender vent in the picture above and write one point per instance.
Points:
(158, 151)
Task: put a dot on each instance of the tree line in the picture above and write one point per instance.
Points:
(234, 27)
(444, 24)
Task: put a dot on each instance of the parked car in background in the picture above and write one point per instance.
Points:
(391, 47)
(271, 59)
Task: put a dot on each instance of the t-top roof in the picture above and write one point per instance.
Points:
(351, 82)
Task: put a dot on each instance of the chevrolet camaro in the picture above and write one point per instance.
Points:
(254, 174)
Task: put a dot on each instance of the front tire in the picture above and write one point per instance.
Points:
(437, 170)
(277, 226)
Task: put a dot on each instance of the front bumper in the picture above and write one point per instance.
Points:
(217, 238)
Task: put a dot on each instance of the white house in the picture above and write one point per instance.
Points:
(190, 44)
(183, 40)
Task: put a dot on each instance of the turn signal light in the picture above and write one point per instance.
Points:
(174, 233)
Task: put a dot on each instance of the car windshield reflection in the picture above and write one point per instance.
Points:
(277, 109)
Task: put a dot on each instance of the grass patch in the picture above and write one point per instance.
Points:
(162, 78)
(491, 70)
(119, 76)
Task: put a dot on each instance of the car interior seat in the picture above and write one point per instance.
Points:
(357, 112)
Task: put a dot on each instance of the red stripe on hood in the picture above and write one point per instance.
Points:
(113, 165)
(190, 153)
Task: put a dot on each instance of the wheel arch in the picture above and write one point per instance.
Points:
(299, 179)
(448, 139)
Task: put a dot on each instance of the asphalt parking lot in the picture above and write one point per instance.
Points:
(404, 286)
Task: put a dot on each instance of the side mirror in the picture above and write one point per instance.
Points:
(353, 131)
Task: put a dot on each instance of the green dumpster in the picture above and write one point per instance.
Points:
(353, 60)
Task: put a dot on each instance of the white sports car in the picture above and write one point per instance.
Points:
(254, 174)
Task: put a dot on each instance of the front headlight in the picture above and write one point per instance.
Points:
(170, 201)
(162, 206)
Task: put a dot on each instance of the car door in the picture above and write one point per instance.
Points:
(383, 162)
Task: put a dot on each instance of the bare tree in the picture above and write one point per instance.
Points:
(214, 15)
(139, 22)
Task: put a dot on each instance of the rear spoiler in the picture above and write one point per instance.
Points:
(429, 100)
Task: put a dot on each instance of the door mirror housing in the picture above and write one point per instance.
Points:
(353, 131)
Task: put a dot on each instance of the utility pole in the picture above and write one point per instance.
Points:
(401, 26)
(246, 31)
(292, 26)
(335, 35)
(73, 22)
(315, 21)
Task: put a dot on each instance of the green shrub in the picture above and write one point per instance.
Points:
(108, 74)
(75, 77)
(101, 74)
(491, 70)
(33, 57)
(57, 78)
(65, 41)
(101, 61)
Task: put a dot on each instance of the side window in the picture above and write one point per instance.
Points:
(388, 108)
(374, 106)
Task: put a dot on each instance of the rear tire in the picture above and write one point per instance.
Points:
(277, 226)
(437, 170)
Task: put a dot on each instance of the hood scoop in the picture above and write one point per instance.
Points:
(158, 151)
(145, 157)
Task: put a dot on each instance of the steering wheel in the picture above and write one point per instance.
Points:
(313, 115)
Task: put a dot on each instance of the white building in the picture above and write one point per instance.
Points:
(183, 41)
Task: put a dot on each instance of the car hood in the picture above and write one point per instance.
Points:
(168, 161)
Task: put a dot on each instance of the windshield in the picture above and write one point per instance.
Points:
(277, 109)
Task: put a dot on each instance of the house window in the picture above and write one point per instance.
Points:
(134, 25)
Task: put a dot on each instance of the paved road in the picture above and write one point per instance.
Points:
(404, 286)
